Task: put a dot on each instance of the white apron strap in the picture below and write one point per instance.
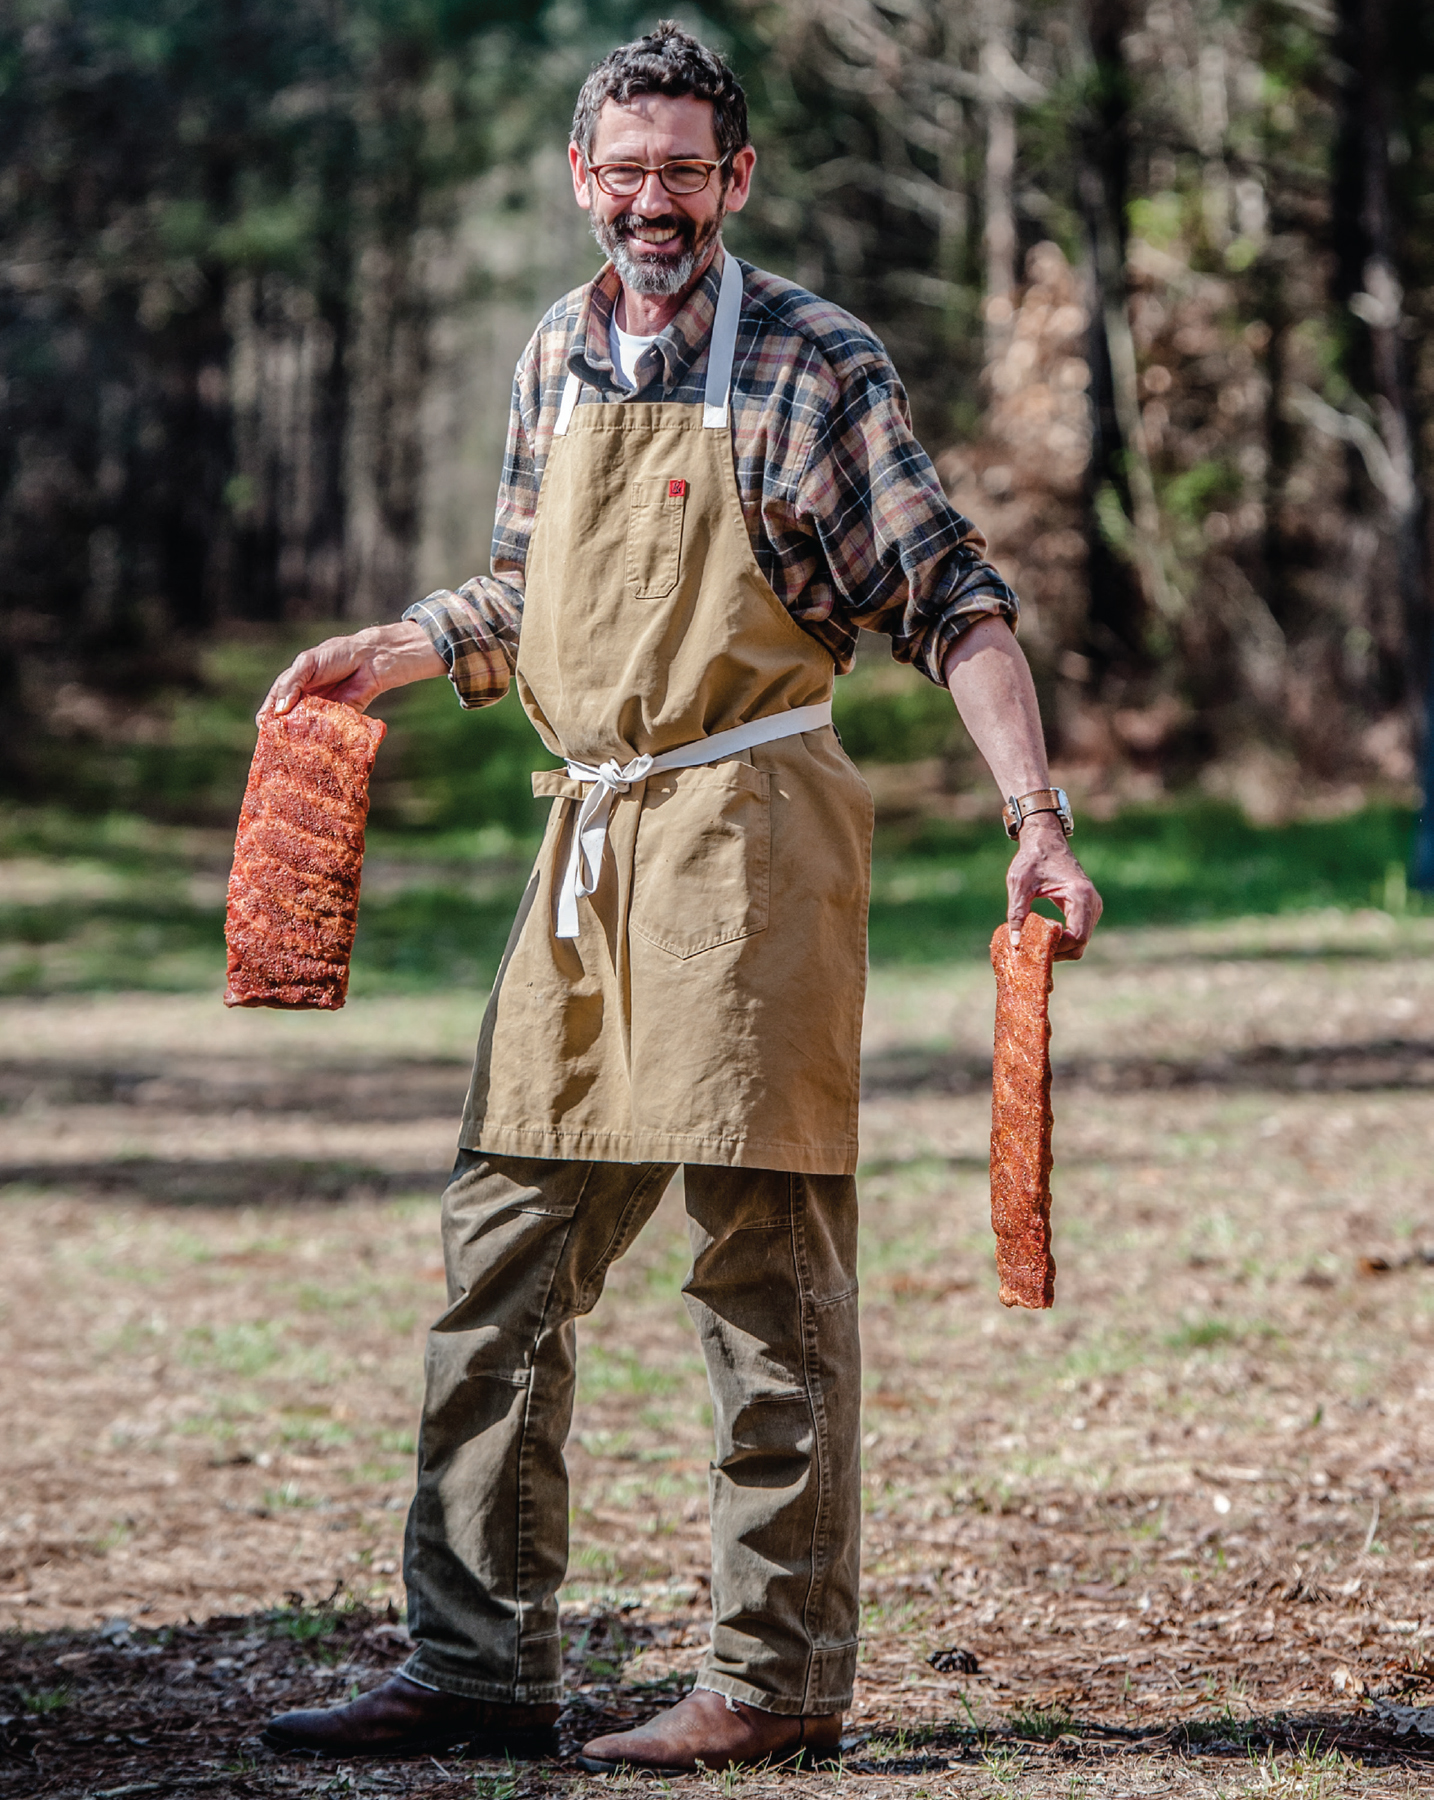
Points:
(566, 404)
(606, 781)
(724, 344)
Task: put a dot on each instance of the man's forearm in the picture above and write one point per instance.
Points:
(990, 681)
(402, 653)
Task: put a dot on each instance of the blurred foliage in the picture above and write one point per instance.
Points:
(120, 903)
(184, 756)
(118, 900)
(940, 890)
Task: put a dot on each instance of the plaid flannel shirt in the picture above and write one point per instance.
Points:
(847, 517)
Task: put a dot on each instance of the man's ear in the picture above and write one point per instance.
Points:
(581, 192)
(738, 188)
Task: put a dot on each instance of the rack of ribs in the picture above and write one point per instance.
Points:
(298, 856)
(1021, 1114)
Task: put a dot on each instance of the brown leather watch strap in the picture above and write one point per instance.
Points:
(1019, 807)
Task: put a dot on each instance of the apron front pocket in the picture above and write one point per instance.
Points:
(702, 864)
(654, 535)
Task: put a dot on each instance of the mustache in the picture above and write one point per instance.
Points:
(626, 225)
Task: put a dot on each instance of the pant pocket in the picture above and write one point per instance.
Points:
(702, 863)
(654, 535)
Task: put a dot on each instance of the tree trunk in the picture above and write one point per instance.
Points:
(327, 551)
(1124, 579)
(1368, 283)
(397, 337)
(1000, 173)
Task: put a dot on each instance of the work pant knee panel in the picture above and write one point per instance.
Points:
(766, 1229)
(528, 1241)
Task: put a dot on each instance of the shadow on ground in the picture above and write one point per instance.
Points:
(1397, 1063)
(387, 1089)
(127, 1711)
(233, 1181)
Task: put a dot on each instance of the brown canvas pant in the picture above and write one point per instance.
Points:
(527, 1244)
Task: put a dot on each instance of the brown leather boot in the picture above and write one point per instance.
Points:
(709, 1731)
(402, 1716)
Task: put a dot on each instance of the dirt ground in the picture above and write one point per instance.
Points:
(1172, 1537)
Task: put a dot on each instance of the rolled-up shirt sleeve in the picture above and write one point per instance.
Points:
(902, 560)
(468, 628)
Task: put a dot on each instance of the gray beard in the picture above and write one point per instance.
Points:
(661, 277)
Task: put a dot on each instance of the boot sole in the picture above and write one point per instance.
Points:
(530, 1746)
(806, 1754)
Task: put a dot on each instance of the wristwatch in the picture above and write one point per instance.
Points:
(1019, 807)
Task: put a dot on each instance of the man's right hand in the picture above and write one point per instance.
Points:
(358, 668)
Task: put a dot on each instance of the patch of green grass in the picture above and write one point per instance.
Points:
(597, 1559)
(152, 938)
(304, 1624)
(114, 840)
(604, 1371)
(899, 1743)
(1222, 1728)
(1045, 1724)
(1176, 864)
(454, 824)
(1004, 1768)
(247, 1348)
(1210, 1334)
(378, 1472)
(323, 1434)
(47, 1700)
(1204, 1335)
(889, 714)
(287, 1494)
(441, 768)
(120, 1532)
(431, 937)
(496, 1787)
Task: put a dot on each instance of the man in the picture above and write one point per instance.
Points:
(710, 485)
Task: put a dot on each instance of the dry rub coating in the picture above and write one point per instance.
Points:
(1021, 1114)
(298, 856)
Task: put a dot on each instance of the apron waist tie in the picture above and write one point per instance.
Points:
(607, 780)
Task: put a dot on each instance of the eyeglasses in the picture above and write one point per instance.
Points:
(623, 180)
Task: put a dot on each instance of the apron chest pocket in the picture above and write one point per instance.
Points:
(702, 863)
(654, 535)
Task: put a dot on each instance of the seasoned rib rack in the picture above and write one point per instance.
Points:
(1021, 1114)
(298, 857)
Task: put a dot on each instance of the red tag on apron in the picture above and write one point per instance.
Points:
(676, 490)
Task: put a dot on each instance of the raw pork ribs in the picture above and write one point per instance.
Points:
(294, 887)
(1021, 1114)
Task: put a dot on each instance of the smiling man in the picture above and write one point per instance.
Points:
(710, 487)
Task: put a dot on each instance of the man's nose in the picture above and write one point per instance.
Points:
(651, 199)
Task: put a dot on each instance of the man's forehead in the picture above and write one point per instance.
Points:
(652, 125)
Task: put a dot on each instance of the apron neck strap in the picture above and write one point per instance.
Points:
(720, 356)
(571, 388)
(723, 348)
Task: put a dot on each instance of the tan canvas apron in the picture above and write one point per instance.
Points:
(709, 1008)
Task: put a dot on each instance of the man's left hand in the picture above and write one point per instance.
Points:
(1044, 868)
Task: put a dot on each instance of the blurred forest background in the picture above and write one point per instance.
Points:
(1158, 275)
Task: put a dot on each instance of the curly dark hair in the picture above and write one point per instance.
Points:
(668, 61)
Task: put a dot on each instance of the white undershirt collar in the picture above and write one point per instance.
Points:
(628, 350)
